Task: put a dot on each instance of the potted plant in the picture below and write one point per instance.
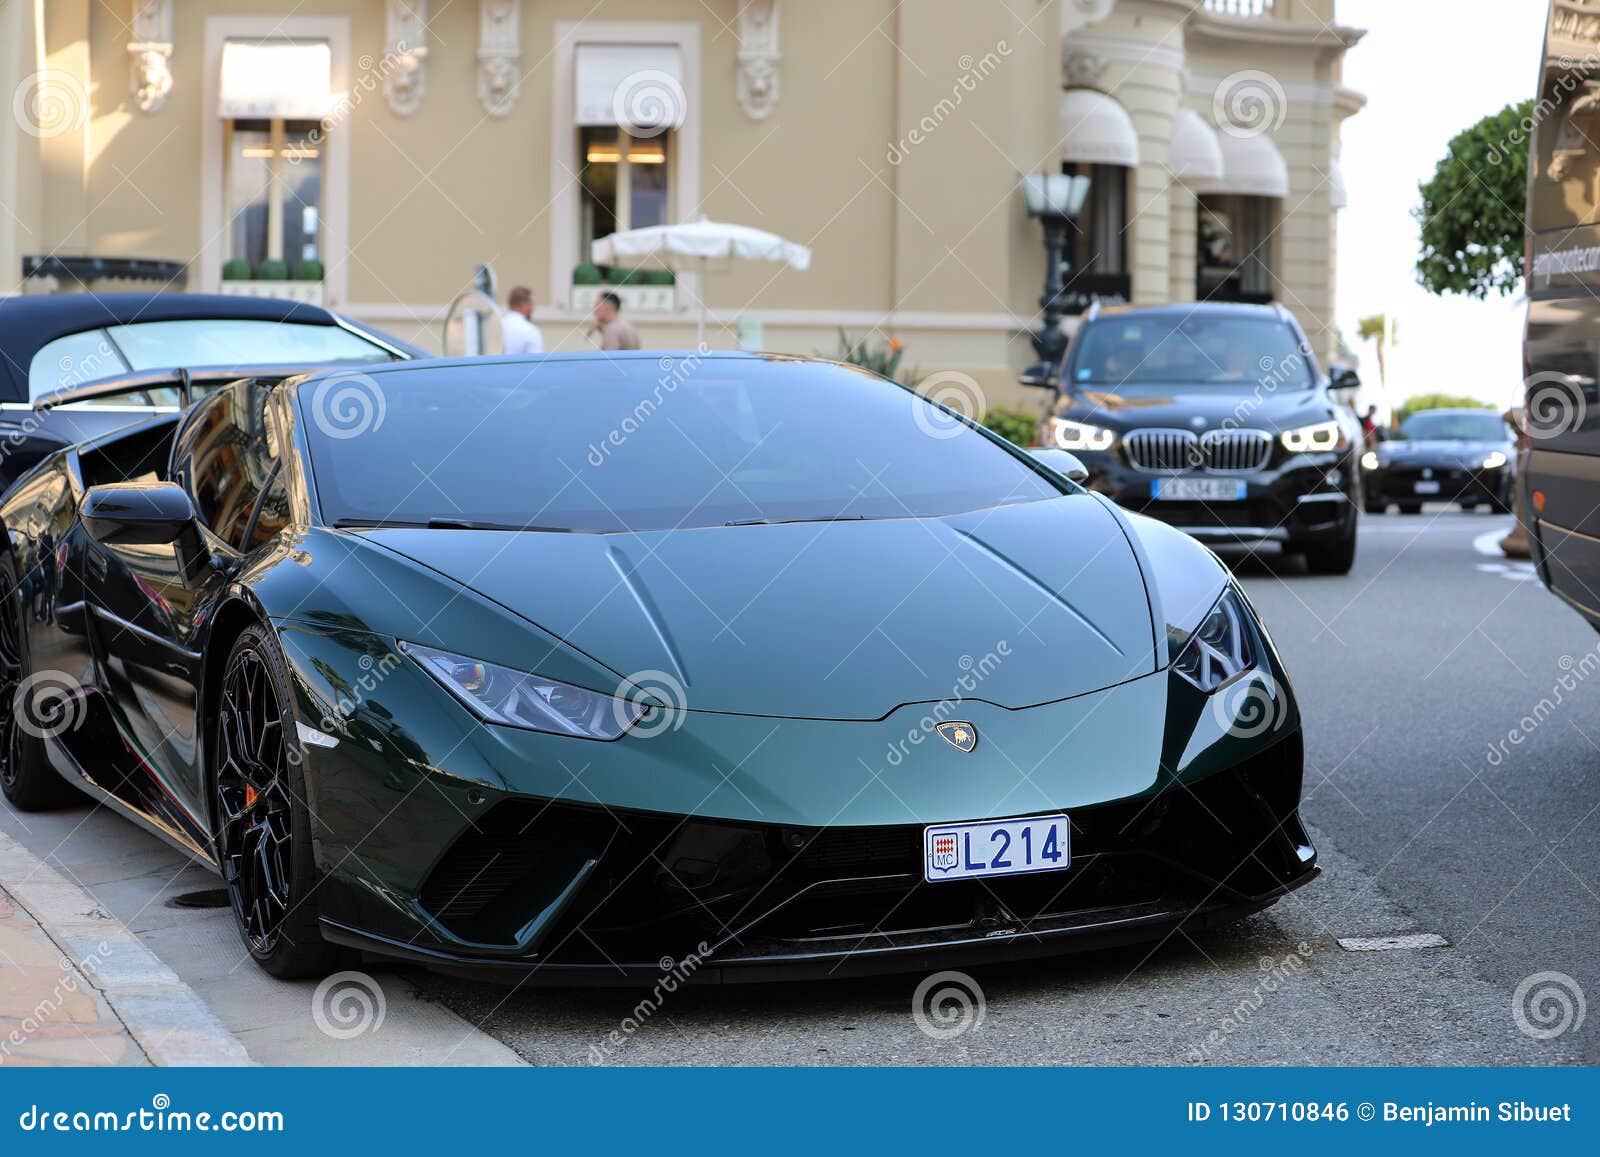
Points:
(272, 270)
(311, 270)
(236, 269)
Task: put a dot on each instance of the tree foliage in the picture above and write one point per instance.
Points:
(1474, 208)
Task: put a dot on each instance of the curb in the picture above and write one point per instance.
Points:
(166, 1019)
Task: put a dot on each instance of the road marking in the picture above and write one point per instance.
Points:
(1393, 943)
(1489, 542)
(1517, 572)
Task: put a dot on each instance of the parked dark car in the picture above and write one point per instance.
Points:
(58, 351)
(561, 694)
(1464, 456)
(1216, 419)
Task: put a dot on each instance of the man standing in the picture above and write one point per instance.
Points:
(521, 335)
(615, 334)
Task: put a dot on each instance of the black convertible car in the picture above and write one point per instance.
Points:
(58, 352)
(1464, 456)
(564, 667)
(1215, 418)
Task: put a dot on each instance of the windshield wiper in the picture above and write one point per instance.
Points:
(786, 521)
(447, 524)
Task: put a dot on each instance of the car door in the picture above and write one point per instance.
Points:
(150, 603)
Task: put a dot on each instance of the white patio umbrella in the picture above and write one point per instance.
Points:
(694, 244)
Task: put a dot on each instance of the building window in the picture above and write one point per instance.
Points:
(1097, 248)
(625, 182)
(274, 197)
(1236, 248)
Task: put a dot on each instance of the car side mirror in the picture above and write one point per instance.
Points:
(1042, 375)
(145, 514)
(1063, 463)
(1344, 383)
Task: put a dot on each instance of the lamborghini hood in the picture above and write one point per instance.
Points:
(1016, 606)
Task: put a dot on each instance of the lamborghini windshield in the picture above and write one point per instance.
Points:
(641, 444)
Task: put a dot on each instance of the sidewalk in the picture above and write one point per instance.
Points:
(49, 1013)
(77, 987)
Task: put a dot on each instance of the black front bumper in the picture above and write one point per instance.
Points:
(1297, 500)
(1469, 486)
(627, 898)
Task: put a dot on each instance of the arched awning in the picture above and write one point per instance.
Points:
(1196, 155)
(1096, 130)
(1338, 190)
(1252, 166)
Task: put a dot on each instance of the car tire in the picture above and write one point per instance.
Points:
(258, 806)
(1502, 504)
(1332, 558)
(1376, 508)
(29, 782)
(1410, 508)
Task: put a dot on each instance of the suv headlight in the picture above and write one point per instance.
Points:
(1494, 461)
(1221, 649)
(517, 699)
(1320, 438)
(1077, 436)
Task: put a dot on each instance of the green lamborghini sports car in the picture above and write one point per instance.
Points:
(577, 668)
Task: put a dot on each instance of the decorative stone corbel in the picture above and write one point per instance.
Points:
(405, 75)
(1076, 14)
(499, 54)
(150, 54)
(1083, 69)
(758, 58)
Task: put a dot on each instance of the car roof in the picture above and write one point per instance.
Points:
(1456, 410)
(28, 323)
(1193, 308)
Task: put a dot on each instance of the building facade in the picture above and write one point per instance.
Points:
(369, 154)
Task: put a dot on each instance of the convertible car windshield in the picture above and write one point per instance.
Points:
(1192, 350)
(1441, 426)
(637, 444)
(193, 343)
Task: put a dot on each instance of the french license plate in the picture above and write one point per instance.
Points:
(996, 848)
(1198, 489)
(1427, 488)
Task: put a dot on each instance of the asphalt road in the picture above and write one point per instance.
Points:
(1452, 788)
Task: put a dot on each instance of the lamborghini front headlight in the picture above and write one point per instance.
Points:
(517, 699)
(1222, 648)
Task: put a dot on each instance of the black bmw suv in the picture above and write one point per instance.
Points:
(1215, 418)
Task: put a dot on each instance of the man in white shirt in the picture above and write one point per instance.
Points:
(521, 335)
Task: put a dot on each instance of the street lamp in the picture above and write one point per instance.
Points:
(1054, 199)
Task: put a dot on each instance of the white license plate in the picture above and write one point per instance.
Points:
(1198, 489)
(996, 848)
(1427, 488)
